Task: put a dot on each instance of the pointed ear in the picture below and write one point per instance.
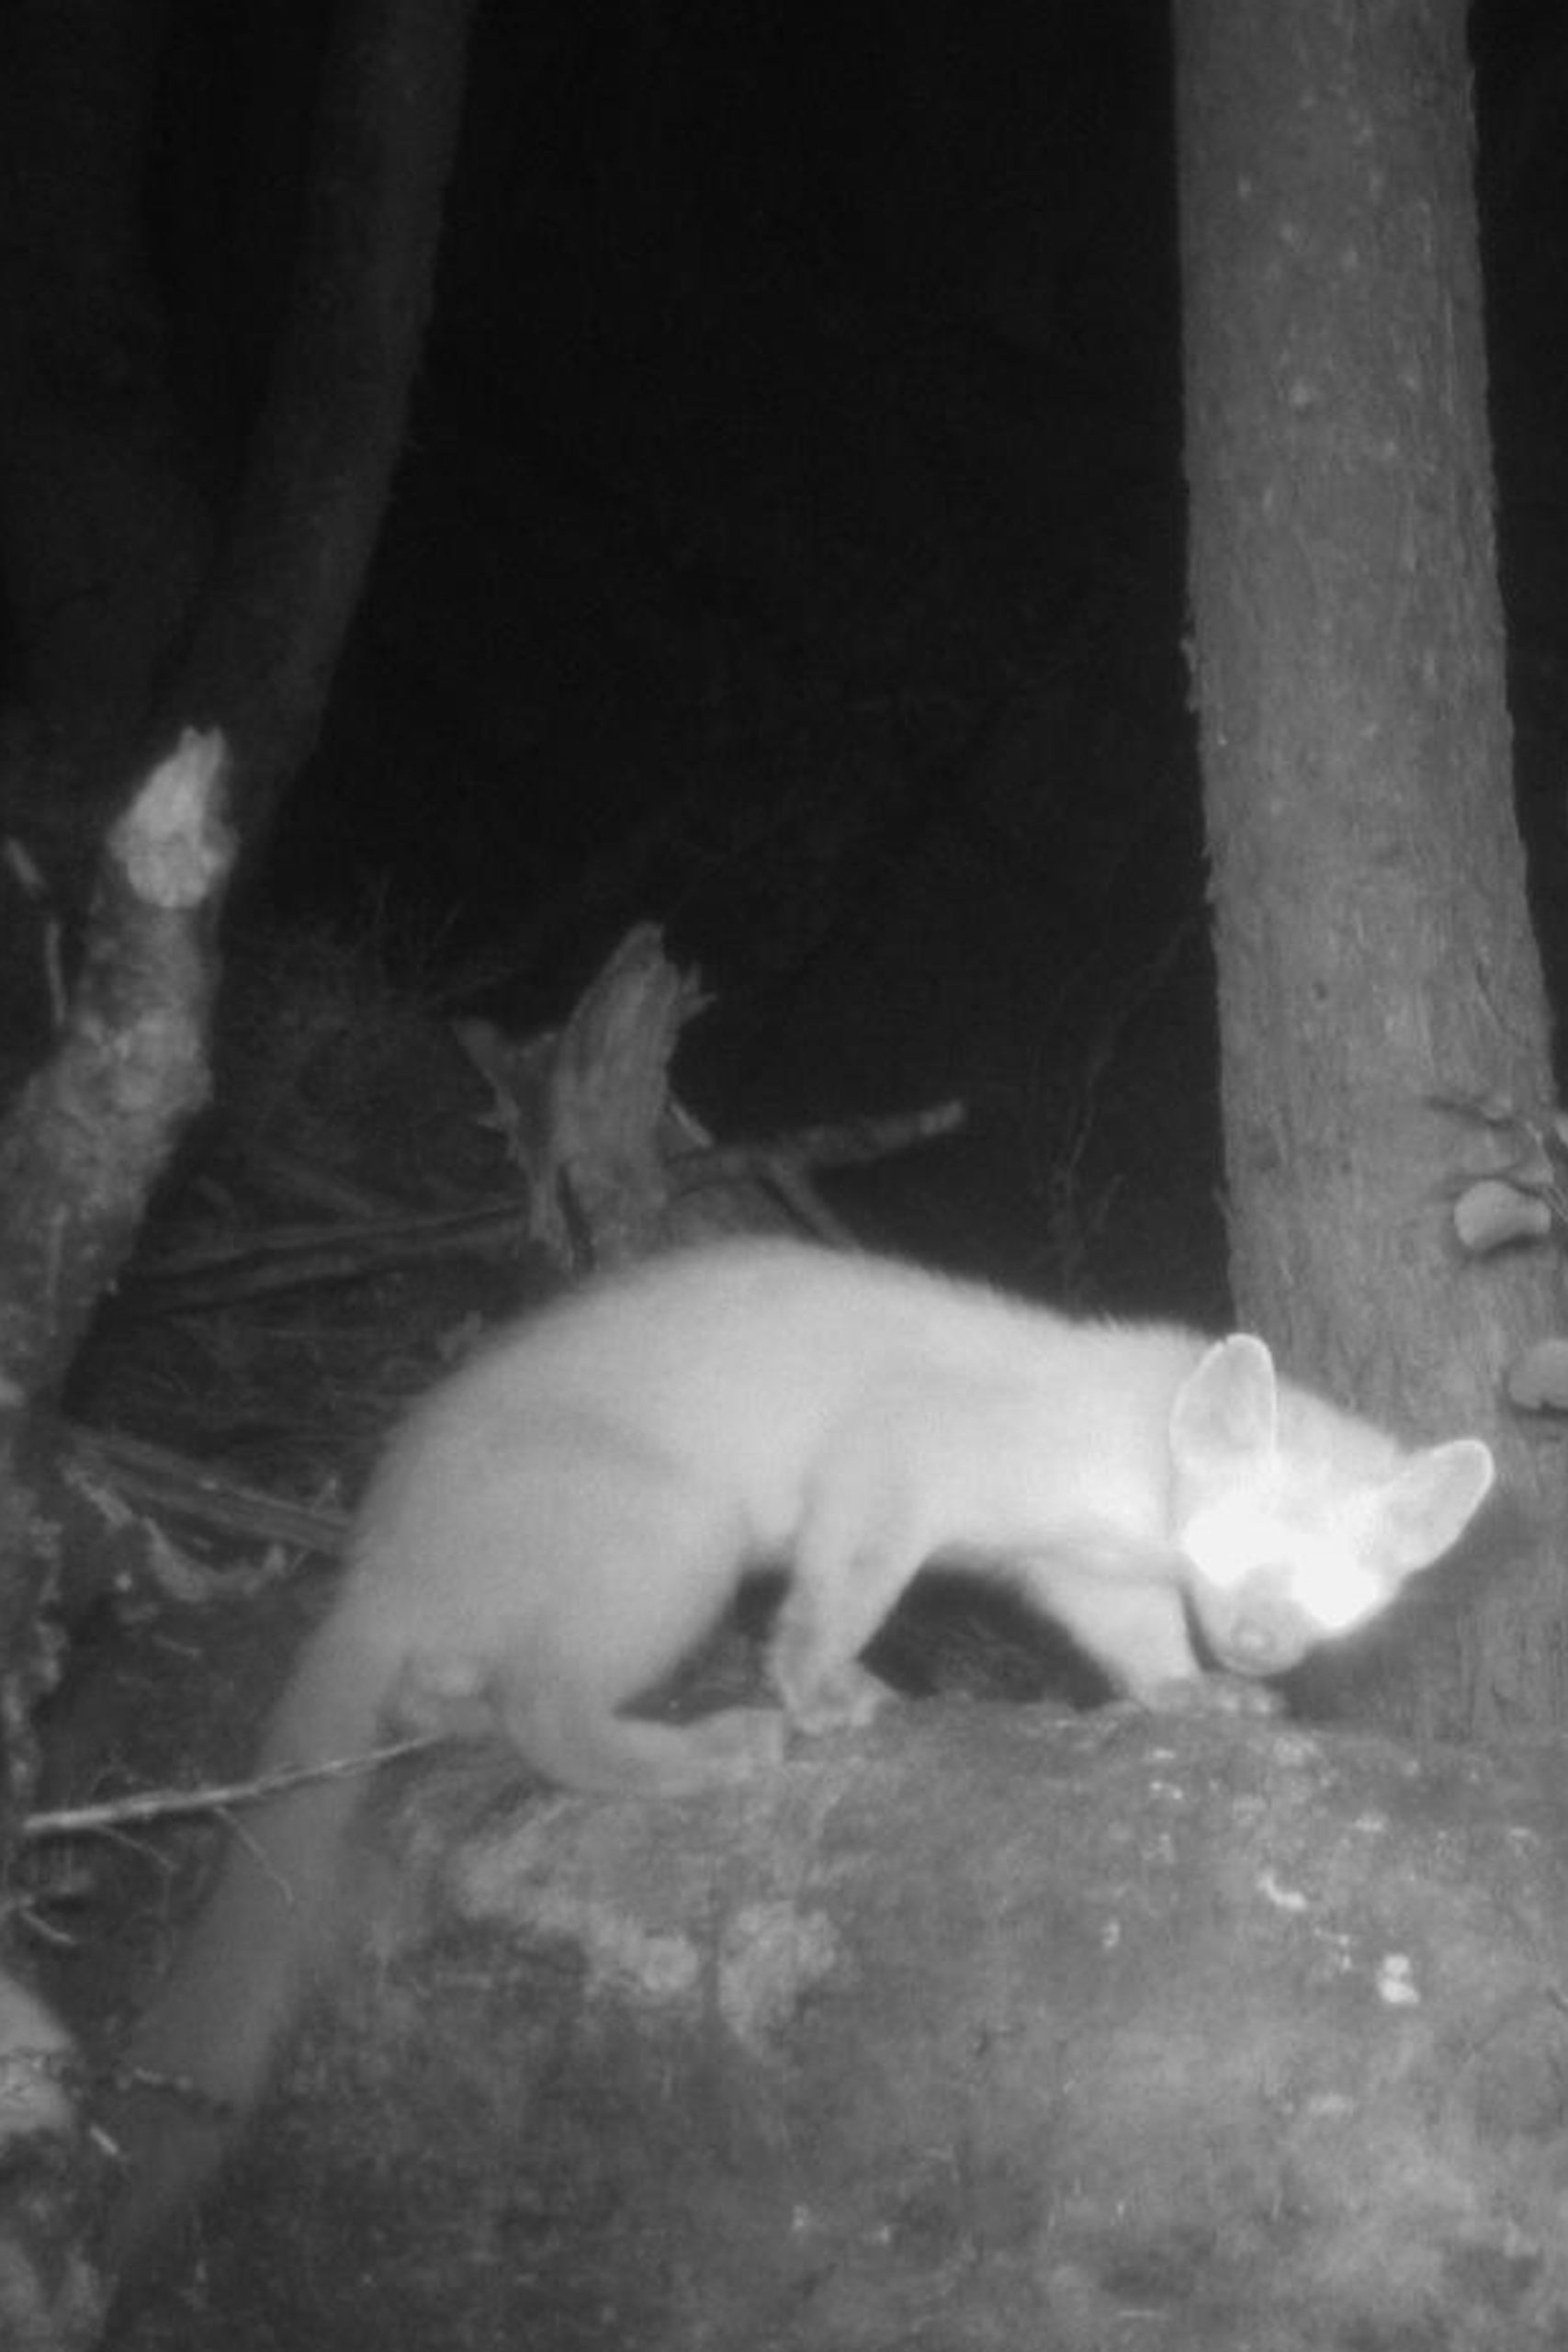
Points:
(1426, 1506)
(1225, 1415)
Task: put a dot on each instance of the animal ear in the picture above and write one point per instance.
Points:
(1427, 1505)
(1226, 1417)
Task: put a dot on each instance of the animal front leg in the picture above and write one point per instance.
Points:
(822, 1689)
(1128, 1618)
(1134, 1625)
(852, 1565)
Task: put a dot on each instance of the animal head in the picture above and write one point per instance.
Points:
(1301, 1524)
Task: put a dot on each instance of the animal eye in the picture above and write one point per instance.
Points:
(1226, 1543)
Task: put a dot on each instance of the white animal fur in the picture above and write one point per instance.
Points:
(556, 1525)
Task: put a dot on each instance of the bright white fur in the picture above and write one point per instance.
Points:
(553, 1529)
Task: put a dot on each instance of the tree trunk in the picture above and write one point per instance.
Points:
(103, 529)
(294, 559)
(1371, 929)
(137, 605)
(80, 1150)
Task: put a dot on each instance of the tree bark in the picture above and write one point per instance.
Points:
(80, 1151)
(1372, 927)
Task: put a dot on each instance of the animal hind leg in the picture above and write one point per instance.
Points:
(642, 1559)
(576, 1739)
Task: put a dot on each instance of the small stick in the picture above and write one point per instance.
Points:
(167, 1804)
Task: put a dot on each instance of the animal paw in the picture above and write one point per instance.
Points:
(844, 1699)
(740, 1741)
(1210, 1694)
(442, 1695)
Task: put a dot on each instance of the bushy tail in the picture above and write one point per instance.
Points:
(199, 2054)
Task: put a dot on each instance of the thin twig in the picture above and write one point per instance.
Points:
(169, 1804)
(848, 1143)
(153, 1478)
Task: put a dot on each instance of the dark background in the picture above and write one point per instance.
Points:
(790, 548)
